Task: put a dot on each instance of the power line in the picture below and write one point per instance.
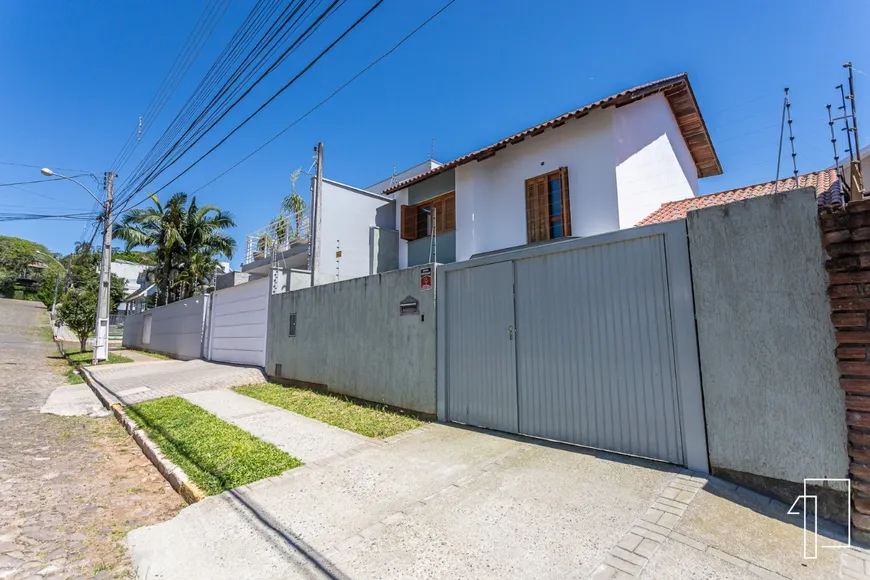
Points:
(278, 93)
(163, 164)
(253, 22)
(181, 66)
(14, 183)
(82, 171)
(12, 216)
(331, 96)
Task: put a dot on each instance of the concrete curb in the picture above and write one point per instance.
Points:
(176, 477)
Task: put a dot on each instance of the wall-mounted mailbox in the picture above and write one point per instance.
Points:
(409, 305)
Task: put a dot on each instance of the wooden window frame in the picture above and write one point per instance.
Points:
(445, 220)
(539, 215)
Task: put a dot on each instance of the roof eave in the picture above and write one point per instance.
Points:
(681, 100)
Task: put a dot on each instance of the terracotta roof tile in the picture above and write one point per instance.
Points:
(680, 97)
(826, 183)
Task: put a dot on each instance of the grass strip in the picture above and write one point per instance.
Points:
(376, 421)
(76, 356)
(216, 455)
(73, 377)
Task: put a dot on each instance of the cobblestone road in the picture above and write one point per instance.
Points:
(70, 487)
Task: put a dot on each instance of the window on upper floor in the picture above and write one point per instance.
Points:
(548, 208)
(417, 219)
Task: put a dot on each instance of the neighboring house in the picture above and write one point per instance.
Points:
(134, 276)
(381, 186)
(593, 170)
(356, 235)
(826, 182)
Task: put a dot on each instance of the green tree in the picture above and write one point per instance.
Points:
(187, 240)
(294, 204)
(78, 312)
(84, 266)
(18, 258)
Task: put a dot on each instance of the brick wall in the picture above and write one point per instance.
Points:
(846, 238)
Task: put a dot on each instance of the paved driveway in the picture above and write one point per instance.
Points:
(135, 382)
(450, 502)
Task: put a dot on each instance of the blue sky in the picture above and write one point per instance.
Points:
(77, 75)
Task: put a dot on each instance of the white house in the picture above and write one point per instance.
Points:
(135, 279)
(596, 169)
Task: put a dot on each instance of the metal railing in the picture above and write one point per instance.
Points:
(282, 234)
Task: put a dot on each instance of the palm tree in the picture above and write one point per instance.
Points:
(185, 237)
(294, 204)
(203, 242)
(158, 227)
(280, 229)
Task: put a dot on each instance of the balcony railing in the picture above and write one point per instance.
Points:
(282, 234)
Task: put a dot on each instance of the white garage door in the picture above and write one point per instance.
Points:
(238, 324)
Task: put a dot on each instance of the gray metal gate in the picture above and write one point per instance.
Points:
(588, 341)
(482, 356)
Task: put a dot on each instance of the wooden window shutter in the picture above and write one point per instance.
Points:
(437, 209)
(449, 207)
(537, 210)
(566, 202)
(409, 222)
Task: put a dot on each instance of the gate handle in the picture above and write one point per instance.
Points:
(511, 332)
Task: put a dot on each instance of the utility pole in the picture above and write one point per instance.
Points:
(101, 345)
(857, 175)
(314, 218)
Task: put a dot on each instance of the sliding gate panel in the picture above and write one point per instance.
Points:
(595, 352)
(480, 343)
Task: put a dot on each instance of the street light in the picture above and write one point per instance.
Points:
(101, 343)
(56, 282)
(49, 173)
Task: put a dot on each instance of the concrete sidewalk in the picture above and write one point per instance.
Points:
(305, 438)
(450, 502)
(74, 400)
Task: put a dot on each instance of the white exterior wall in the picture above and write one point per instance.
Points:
(490, 195)
(654, 164)
(239, 318)
(623, 163)
(347, 216)
(130, 273)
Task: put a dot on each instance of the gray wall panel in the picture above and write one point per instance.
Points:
(176, 329)
(351, 338)
(772, 398)
(418, 250)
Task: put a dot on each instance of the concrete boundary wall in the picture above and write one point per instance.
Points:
(773, 405)
(175, 329)
(351, 337)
